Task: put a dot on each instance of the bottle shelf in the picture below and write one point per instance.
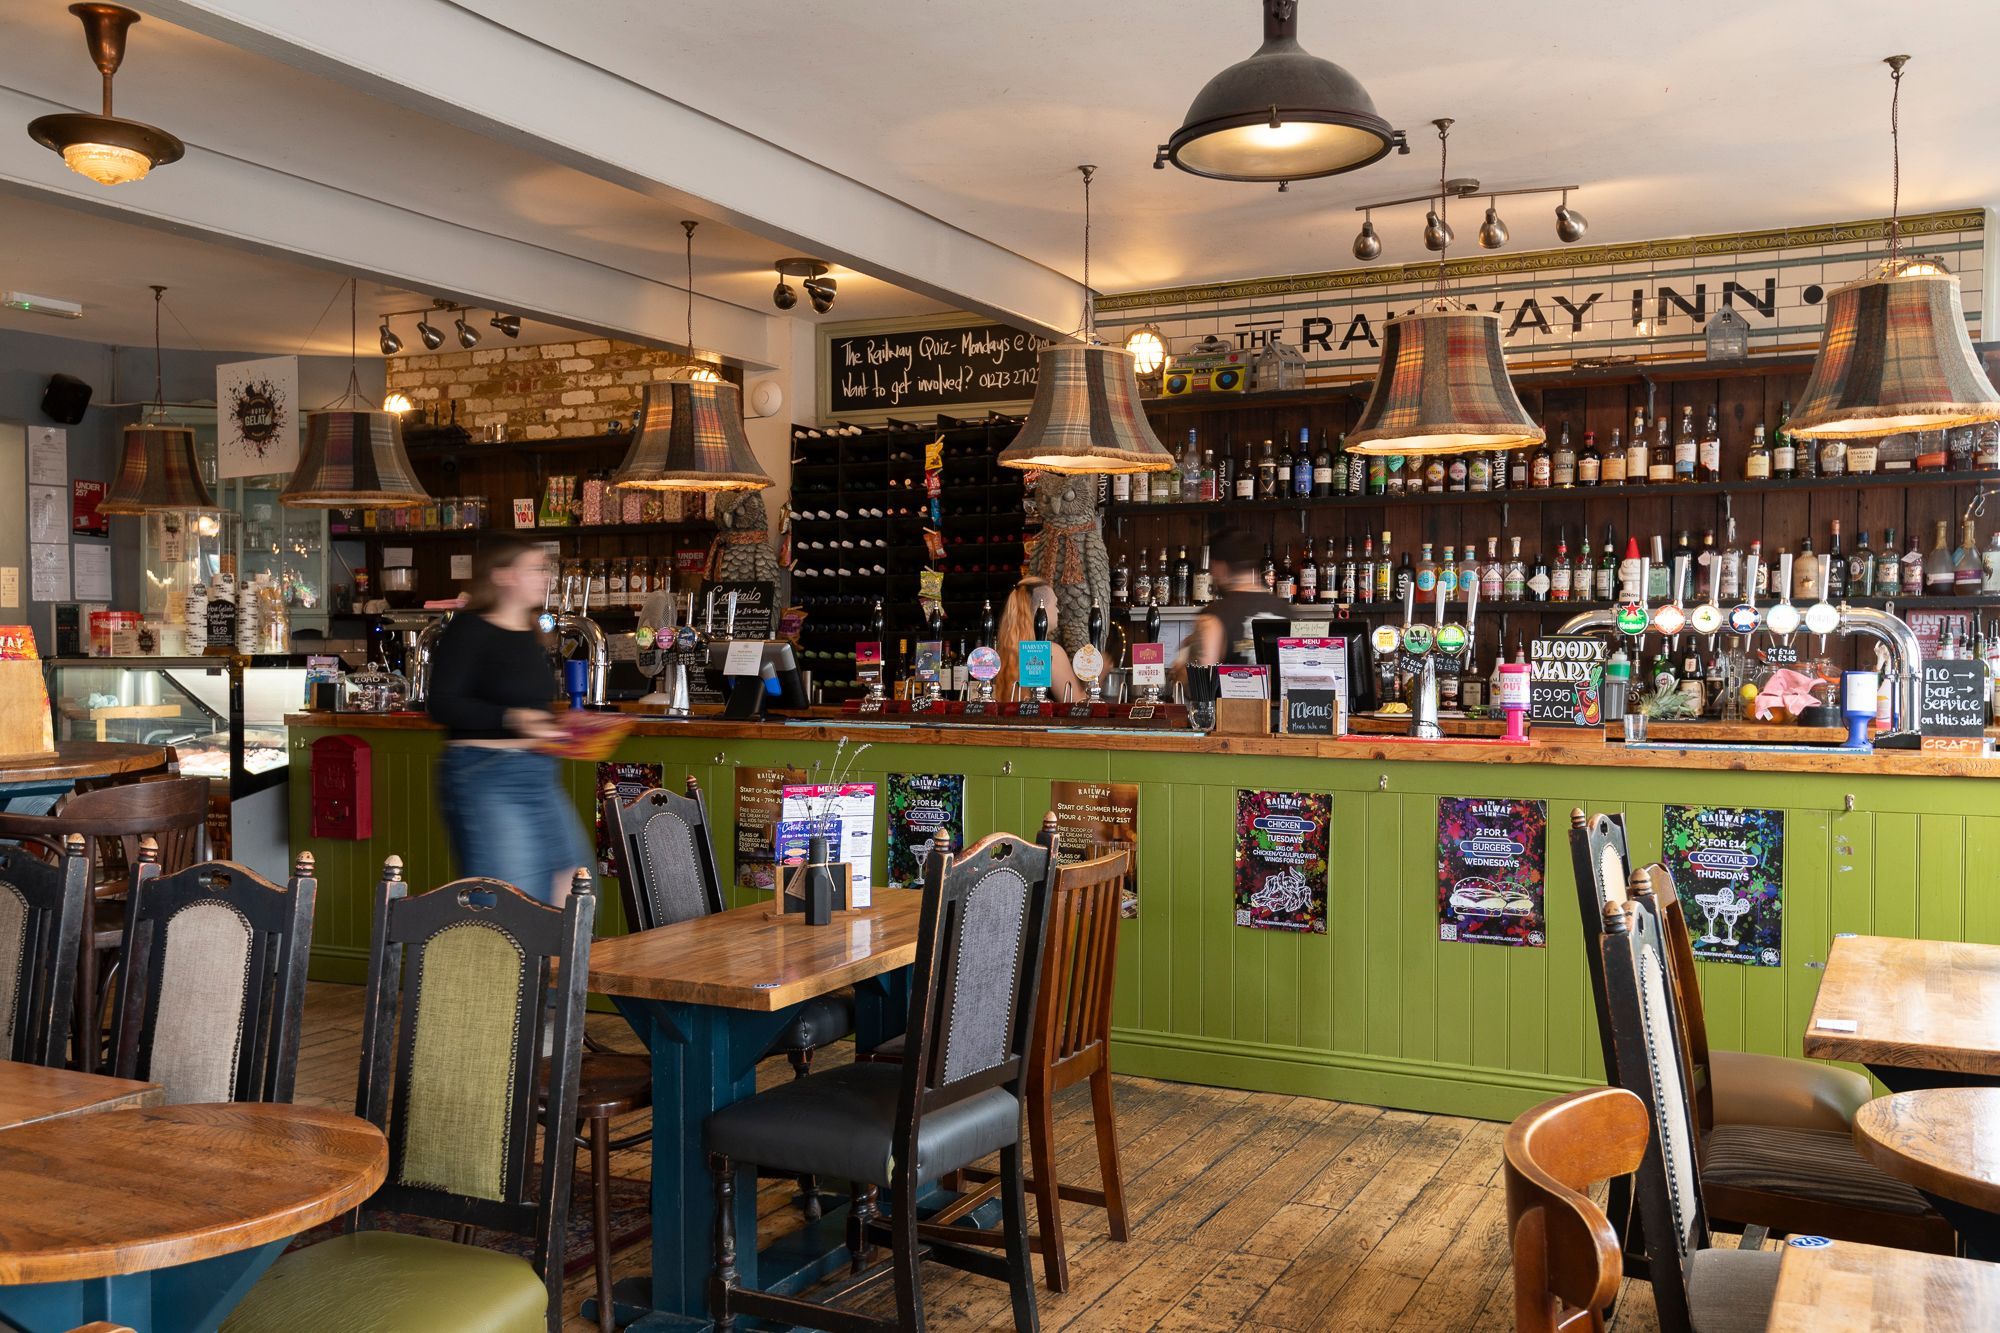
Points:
(1983, 601)
(397, 538)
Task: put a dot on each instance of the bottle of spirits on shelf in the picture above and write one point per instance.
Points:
(1966, 570)
(1434, 474)
(1958, 449)
(1350, 577)
(1300, 482)
(1427, 577)
(1832, 457)
(1121, 486)
(1703, 575)
(1204, 584)
(1708, 451)
(1726, 572)
(1660, 458)
(1562, 466)
(1805, 574)
(1142, 581)
(1560, 572)
(1244, 477)
(1613, 466)
(1757, 463)
(1491, 574)
(1322, 472)
(1479, 472)
(1541, 467)
(1354, 466)
(1183, 588)
(1225, 470)
(1457, 474)
(1756, 574)
(1121, 581)
(1888, 581)
(1406, 579)
(1307, 591)
(1687, 449)
(1448, 574)
(1190, 487)
(1938, 576)
(1784, 449)
(1210, 491)
(1365, 586)
(1861, 567)
(1514, 578)
(1281, 480)
(1607, 568)
(1692, 679)
(1660, 579)
(1385, 571)
(1378, 473)
(1590, 462)
(1539, 583)
(1989, 578)
(1864, 457)
(1637, 456)
(1932, 452)
(1329, 576)
(1267, 473)
(1519, 465)
(1270, 569)
(1835, 564)
(1913, 568)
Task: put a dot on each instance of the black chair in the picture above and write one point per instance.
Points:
(458, 1019)
(41, 920)
(212, 982)
(955, 1098)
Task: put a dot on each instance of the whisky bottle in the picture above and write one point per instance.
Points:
(1613, 468)
(1708, 451)
(1757, 463)
(1562, 467)
(1687, 449)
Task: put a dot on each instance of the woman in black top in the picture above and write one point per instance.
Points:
(503, 802)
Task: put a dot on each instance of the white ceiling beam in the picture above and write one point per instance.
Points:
(214, 196)
(456, 66)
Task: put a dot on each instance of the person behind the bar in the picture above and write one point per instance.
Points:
(1222, 630)
(503, 803)
(1017, 623)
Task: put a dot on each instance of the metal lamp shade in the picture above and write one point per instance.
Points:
(353, 456)
(1443, 389)
(1895, 357)
(159, 471)
(1086, 416)
(691, 439)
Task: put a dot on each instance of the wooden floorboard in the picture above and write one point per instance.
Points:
(1248, 1211)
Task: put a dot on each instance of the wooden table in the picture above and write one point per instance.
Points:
(1842, 1285)
(1946, 1142)
(707, 997)
(75, 760)
(30, 1092)
(1926, 1013)
(161, 1218)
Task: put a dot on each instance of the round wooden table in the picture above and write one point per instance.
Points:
(76, 760)
(1945, 1142)
(163, 1217)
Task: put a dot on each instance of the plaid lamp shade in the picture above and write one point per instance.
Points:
(1086, 416)
(691, 439)
(158, 472)
(1442, 388)
(1895, 357)
(353, 457)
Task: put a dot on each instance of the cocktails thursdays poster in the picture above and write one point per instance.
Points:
(1281, 854)
(1491, 856)
(1728, 866)
(921, 806)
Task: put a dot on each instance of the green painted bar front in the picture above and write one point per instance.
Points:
(1377, 1009)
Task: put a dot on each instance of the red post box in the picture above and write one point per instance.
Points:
(343, 796)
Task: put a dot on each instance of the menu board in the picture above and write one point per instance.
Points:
(756, 607)
(1093, 818)
(1565, 678)
(948, 365)
(1953, 711)
(922, 806)
(1728, 867)
(844, 814)
(759, 794)
(1281, 859)
(1490, 863)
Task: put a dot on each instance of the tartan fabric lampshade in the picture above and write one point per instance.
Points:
(1086, 416)
(1442, 388)
(158, 472)
(691, 439)
(353, 456)
(1895, 357)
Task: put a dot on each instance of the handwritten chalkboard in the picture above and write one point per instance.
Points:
(756, 606)
(1311, 712)
(1954, 702)
(1565, 674)
(929, 368)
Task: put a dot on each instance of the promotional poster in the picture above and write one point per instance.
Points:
(1728, 866)
(1281, 859)
(920, 806)
(759, 794)
(842, 812)
(1093, 818)
(1490, 863)
(631, 779)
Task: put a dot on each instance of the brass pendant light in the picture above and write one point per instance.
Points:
(1442, 386)
(157, 467)
(353, 453)
(1895, 355)
(108, 149)
(1086, 415)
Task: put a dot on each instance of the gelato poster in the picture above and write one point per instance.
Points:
(1729, 869)
(842, 812)
(759, 792)
(631, 780)
(1095, 819)
(1490, 860)
(1281, 851)
(922, 805)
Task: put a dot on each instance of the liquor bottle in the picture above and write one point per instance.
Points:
(1385, 571)
(1687, 449)
(1405, 475)
(1888, 581)
(1835, 565)
(1913, 569)
(1364, 582)
(1958, 452)
(1204, 583)
(1514, 578)
(1225, 471)
(1713, 680)
(1704, 566)
(1359, 468)
(1589, 463)
(1660, 458)
(1729, 569)
(1281, 479)
(1378, 473)
(1270, 570)
(1142, 581)
(1329, 575)
(1934, 450)
(1541, 467)
(1121, 580)
(1267, 473)
(1784, 450)
(1182, 591)
(1831, 456)
(1683, 557)
(1613, 469)
(1967, 571)
(1805, 574)
(1660, 579)
(1519, 465)
(1989, 579)
(1190, 491)
(1434, 475)
(1447, 583)
(1166, 484)
(1300, 481)
(1637, 462)
(1492, 576)
(1708, 451)
(1245, 478)
(1456, 474)
(1479, 471)
(1559, 572)
(1538, 581)
(1861, 568)
(1939, 578)
(1757, 463)
(1562, 466)
(1307, 591)
(1863, 456)
(1427, 577)
(1628, 589)
(1692, 679)
(1406, 580)
(1322, 472)
(1350, 577)
(1210, 489)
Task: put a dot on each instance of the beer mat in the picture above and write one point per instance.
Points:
(587, 736)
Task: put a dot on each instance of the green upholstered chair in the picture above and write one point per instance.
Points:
(41, 920)
(954, 1099)
(458, 1020)
(212, 979)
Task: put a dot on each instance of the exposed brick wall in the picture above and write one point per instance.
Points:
(536, 393)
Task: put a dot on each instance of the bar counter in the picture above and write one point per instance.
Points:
(1377, 1009)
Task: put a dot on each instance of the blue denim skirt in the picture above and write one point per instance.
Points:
(509, 817)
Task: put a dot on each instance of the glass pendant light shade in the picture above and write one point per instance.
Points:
(353, 456)
(1086, 416)
(108, 149)
(691, 439)
(1442, 388)
(1895, 357)
(157, 472)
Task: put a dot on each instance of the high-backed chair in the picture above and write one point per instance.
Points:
(458, 1020)
(1566, 1254)
(212, 988)
(41, 916)
(954, 1099)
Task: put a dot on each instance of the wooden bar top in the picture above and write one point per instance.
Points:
(1372, 749)
(31, 1092)
(753, 958)
(1945, 1141)
(1845, 1285)
(1915, 1004)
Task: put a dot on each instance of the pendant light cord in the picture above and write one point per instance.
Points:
(1089, 303)
(1444, 202)
(1895, 64)
(688, 227)
(159, 380)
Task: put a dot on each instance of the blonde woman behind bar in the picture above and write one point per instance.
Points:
(1017, 623)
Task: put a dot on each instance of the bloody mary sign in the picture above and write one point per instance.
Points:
(1281, 854)
(1490, 861)
(1728, 867)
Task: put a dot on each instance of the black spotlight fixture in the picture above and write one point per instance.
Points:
(820, 291)
(785, 296)
(1281, 115)
(432, 335)
(391, 344)
(507, 324)
(782, 296)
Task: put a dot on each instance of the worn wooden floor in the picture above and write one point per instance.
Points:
(1248, 1211)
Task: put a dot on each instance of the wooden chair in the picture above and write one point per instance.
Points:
(953, 1100)
(458, 1018)
(41, 917)
(1567, 1261)
(212, 989)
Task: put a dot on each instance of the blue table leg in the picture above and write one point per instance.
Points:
(187, 1298)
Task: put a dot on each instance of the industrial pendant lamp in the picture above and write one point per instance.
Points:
(691, 429)
(1281, 115)
(1086, 415)
(108, 149)
(157, 469)
(1895, 356)
(1442, 385)
(353, 453)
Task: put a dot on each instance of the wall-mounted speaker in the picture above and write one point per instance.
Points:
(65, 399)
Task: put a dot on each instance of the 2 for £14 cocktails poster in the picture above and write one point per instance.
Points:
(1728, 866)
(1491, 856)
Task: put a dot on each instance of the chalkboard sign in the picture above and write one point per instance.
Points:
(1565, 675)
(756, 607)
(1311, 712)
(1954, 705)
(893, 369)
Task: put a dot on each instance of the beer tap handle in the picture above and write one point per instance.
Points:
(584, 608)
(1471, 615)
(1680, 578)
(1645, 582)
(1152, 624)
(729, 621)
(1785, 577)
(1409, 603)
(708, 614)
(1437, 609)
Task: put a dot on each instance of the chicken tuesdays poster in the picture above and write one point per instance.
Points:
(1491, 854)
(1281, 853)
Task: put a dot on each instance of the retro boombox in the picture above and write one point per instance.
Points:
(1207, 367)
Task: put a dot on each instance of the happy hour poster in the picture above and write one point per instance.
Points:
(759, 795)
(1728, 866)
(1281, 859)
(1490, 863)
(921, 805)
(1093, 819)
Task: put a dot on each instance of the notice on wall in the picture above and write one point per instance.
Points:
(257, 417)
(922, 806)
(48, 514)
(631, 779)
(48, 572)
(1953, 715)
(1281, 859)
(1094, 819)
(1728, 866)
(756, 607)
(91, 566)
(759, 798)
(844, 814)
(895, 368)
(85, 519)
(48, 456)
(1565, 679)
(1491, 856)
